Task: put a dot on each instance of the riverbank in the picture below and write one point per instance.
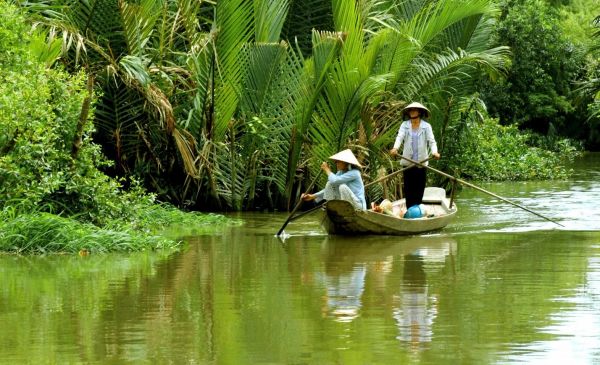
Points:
(157, 227)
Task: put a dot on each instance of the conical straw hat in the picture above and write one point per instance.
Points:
(415, 105)
(346, 156)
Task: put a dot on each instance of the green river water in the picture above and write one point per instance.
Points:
(497, 286)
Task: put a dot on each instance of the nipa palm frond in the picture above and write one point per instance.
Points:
(234, 21)
(139, 21)
(304, 17)
(270, 15)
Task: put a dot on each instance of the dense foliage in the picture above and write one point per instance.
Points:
(483, 149)
(549, 59)
(212, 107)
(590, 87)
(231, 105)
(48, 162)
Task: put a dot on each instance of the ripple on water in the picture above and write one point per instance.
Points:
(573, 332)
(572, 204)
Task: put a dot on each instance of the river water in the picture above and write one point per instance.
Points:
(497, 286)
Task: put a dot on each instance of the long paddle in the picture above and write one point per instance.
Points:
(299, 215)
(480, 189)
(393, 173)
(289, 218)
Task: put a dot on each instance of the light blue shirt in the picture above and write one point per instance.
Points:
(352, 179)
(414, 134)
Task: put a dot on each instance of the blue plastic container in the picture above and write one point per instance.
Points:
(414, 212)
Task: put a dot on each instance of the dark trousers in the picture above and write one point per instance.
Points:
(414, 185)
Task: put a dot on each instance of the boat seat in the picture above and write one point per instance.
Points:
(434, 195)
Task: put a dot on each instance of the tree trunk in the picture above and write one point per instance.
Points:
(83, 117)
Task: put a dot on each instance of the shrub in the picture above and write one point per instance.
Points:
(486, 150)
(40, 176)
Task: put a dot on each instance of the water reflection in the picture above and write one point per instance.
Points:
(575, 332)
(351, 264)
(344, 291)
(416, 310)
(490, 296)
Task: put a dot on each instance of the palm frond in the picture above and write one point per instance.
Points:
(270, 15)
(420, 31)
(304, 17)
(186, 145)
(326, 49)
(134, 70)
(188, 17)
(234, 21)
(338, 119)
(270, 94)
(407, 9)
(138, 22)
(118, 114)
(198, 63)
(262, 71)
(452, 73)
(230, 175)
(347, 17)
(98, 21)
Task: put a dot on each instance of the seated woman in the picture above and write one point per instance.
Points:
(345, 184)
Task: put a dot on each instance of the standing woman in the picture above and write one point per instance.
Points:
(417, 137)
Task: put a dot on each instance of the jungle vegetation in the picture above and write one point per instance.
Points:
(233, 104)
(552, 58)
(53, 194)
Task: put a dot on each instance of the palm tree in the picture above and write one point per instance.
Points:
(113, 41)
(430, 51)
(226, 94)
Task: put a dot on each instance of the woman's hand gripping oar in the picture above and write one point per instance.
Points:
(394, 173)
(289, 218)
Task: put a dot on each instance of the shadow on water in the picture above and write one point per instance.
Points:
(394, 272)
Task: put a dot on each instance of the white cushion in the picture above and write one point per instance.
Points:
(434, 195)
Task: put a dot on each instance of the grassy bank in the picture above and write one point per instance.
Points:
(156, 227)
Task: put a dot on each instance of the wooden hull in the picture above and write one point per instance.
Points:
(341, 218)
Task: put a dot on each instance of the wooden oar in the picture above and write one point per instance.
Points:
(393, 174)
(299, 215)
(480, 189)
(289, 218)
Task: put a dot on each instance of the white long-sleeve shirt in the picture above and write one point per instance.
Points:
(426, 143)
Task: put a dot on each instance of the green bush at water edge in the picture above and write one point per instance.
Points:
(486, 150)
(38, 233)
(41, 176)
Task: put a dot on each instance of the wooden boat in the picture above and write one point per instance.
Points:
(341, 217)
